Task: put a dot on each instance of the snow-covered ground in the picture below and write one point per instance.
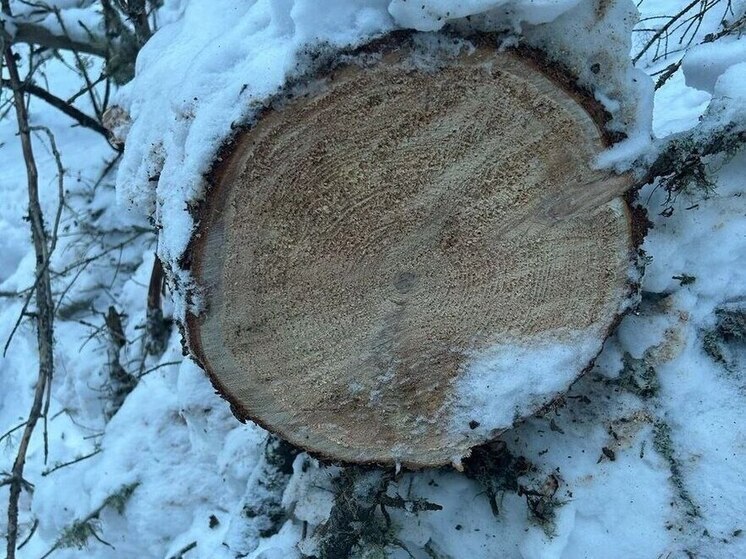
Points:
(644, 458)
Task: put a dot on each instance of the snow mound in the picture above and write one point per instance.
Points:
(705, 63)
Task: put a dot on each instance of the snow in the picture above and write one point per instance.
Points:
(704, 64)
(509, 381)
(677, 484)
(728, 105)
(433, 15)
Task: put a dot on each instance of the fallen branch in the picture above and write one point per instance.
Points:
(682, 160)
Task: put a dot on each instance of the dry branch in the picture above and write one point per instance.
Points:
(726, 28)
(44, 267)
(44, 302)
(76, 114)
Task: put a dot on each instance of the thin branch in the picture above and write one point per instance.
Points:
(9, 432)
(44, 302)
(107, 169)
(103, 77)
(45, 416)
(166, 364)
(60, 104)
(663, 30)
(10, 294)
(60, 184)
(180, 554)
(70, 463)
(30, 534)
(42, 270)
(138, 233)
(68, 287)
(728, 28)
(81, 68)
(36, 34)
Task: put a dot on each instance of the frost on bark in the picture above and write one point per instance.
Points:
(385, 225)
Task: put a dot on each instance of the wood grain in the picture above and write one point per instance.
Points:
(365, 239)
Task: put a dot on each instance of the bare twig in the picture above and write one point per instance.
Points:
(30, 534)
(12, 430)
(664, 29)
(10, 294)
(180, 554)
(61, 298)
(104, 77)
(727, 28)
(60, 183)
(107, 169)
(82, 69)
(76, 114)
(71, 462)
(159, 366)
(85, 261)
(44, 302)
(43, 269)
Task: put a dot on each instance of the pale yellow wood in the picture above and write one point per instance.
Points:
(363, 241)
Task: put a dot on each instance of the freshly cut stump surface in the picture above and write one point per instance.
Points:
(366, 243)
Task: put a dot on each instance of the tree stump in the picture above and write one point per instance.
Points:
(412, 253)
